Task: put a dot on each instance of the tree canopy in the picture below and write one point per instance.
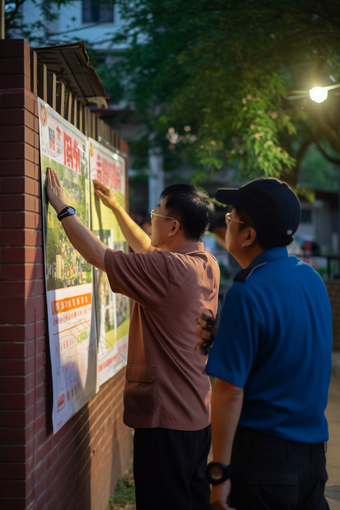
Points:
(216, 79)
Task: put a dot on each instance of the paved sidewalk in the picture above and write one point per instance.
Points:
(333, 449)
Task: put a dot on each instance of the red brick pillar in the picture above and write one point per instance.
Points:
(79, 466)
(22, 300)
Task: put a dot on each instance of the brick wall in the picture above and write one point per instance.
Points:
(78, 467)
(333, 287)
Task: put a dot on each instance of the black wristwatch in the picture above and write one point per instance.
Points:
(217, 473)
(67, 211)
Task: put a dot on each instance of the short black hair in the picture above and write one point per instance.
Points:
(219, 218)
(192, 207)
(266, 239)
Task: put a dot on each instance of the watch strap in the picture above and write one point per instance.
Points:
(66, 212)
(225, 473)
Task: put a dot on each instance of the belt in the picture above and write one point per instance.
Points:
(248, 438)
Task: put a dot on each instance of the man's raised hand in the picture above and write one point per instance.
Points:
(55, 191)
(106, 195)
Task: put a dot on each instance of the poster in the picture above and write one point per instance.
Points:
(113, 310)
(69, 278)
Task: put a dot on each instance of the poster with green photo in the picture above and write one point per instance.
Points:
(69, 280)
(113, 310)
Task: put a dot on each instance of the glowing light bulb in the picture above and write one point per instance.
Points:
(318, 94)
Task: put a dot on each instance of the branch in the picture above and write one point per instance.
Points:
(293, 174)
(330, 20)
(289, 39)
(12, 15)
(336, 161)
(324, 153)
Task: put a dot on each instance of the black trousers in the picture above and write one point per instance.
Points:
(169, 469)
(273, 474)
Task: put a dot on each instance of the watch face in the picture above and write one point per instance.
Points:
(68, 211)
(215, 472)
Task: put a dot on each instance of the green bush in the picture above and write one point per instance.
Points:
(124, 491)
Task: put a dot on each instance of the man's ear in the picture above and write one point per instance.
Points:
(175, 227)
(249, 237)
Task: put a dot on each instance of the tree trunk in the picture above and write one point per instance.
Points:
(292, 175)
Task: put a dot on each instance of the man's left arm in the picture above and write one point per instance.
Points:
(226, 407)
(230, 361)
(83, 240)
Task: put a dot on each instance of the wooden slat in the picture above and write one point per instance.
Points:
(42, 82)
(94, 126)
(91, 124)
(61, 98)
(69, 106)
(34, 73)
(75, 112)
(86, 121)
(52, 90)
(87, 116)
(89, 127)
(2, 20)
(81, 117)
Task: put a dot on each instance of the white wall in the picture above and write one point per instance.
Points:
(66, 29)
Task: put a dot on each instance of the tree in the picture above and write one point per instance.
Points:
(215, 77)
(38, 31)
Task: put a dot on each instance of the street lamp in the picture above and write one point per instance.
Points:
(317, 94)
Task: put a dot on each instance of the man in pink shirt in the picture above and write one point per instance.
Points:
(167, 395)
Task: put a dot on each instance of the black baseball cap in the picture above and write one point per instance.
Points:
(270, 203)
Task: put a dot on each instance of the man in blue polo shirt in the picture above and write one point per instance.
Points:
(271, 359)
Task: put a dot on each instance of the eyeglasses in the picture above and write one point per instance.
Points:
(228, 219)
(153, 213)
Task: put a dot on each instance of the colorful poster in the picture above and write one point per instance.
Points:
(69, 278)
(113, 310)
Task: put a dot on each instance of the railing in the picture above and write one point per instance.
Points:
(323, 265)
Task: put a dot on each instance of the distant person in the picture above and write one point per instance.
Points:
(271, 359)
(145, 224)
(218, 227)
(167, 395)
